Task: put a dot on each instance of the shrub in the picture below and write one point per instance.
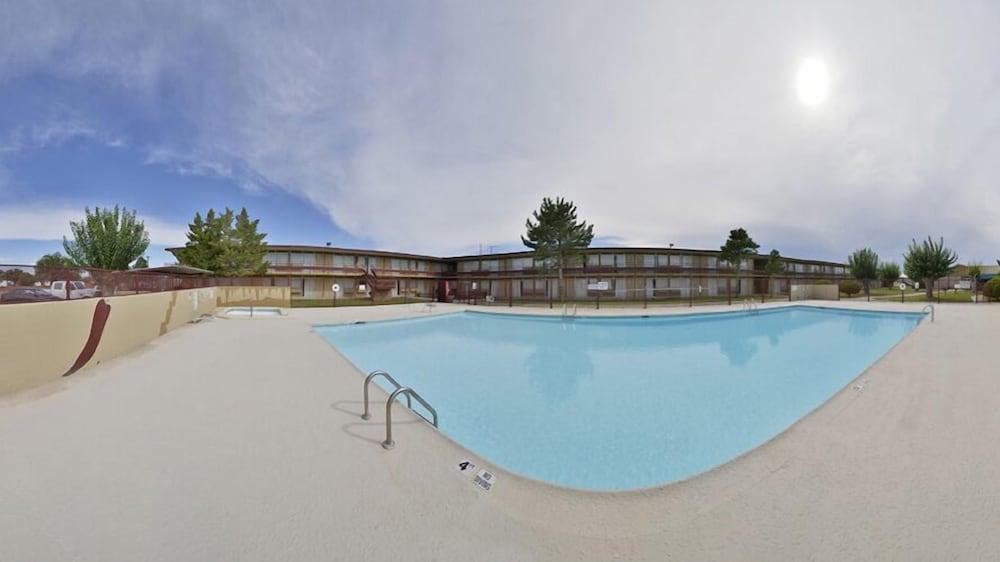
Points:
(850, 287)
(991, 290)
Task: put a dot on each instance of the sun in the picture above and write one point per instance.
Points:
(812, 82)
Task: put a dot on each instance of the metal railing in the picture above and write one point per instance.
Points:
(406, 391)
(750, 306)
(31, 284)
(367, 415)
(924, 310)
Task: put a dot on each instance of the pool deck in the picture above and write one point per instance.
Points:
(239, 439)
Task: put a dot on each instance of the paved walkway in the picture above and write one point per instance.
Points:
(240, 440)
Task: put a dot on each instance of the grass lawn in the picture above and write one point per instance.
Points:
(891, 291)
(943, 296)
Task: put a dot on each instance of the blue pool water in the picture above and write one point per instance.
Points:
(621, 403)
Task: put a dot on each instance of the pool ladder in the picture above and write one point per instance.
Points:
(406, 391)
(924, 311)
(750, 306)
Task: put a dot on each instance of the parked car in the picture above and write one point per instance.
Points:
(77, 290)
(26, 294)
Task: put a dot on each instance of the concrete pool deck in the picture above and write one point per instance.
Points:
(239, 439)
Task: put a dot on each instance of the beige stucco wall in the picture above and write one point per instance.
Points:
(815, 292)
(39, 342)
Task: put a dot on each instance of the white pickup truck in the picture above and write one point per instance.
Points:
(77, 290)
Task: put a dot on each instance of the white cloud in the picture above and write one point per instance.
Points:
(434, 128)
(44, 223)
(55, 131)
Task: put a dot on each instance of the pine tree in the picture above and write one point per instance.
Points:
(775, 265)
(738, 247)
(216, 244)
(557, 237)
(244, 254)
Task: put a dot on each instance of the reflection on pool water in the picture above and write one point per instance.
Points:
(622, 403)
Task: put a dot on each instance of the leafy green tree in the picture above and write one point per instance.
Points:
(217, 244)
(737, 248)
(141, 263)
(107, 239)
(17, 276)
(888, 273)
(53, 260)
(557, 236)
(928, 261)
(51, 267)
(775, 266)
(863, 265)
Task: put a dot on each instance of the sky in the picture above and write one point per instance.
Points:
(437, 127)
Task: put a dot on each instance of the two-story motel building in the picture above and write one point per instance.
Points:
(612, 273)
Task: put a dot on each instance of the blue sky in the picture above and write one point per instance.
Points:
(437, 127)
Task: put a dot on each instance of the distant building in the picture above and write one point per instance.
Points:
(613, 273)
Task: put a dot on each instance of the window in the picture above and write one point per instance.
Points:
(532, 287)
(277, 258)
(665, 287)
(303, 259)
(649, 260)
(522, 263)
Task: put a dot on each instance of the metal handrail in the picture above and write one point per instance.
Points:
(368, 380)
(407, 391)
(930, 306)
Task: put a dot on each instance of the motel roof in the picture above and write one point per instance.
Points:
(506, 255)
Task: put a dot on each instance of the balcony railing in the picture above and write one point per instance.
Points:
(347, 270)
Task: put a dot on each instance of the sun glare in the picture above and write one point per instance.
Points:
(812, 82)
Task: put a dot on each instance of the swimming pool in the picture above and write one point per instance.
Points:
(626, 402)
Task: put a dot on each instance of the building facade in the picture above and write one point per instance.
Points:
(607, 273)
